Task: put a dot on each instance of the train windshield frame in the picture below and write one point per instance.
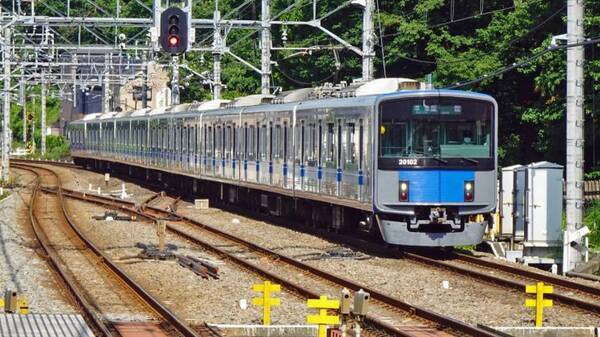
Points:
(436, 132)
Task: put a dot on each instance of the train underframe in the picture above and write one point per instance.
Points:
(311, 213)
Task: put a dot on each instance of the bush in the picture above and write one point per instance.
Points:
(593, 175)
(57, 146)
(592, 220)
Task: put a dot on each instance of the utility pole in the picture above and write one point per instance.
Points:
(573, 253)
(175, 81)
(106, 84)
(145, 82)
(33, 146)
(265, 55)
(6, 106)
(368, 38)
(43, 115)
(217, 52)
(23, 102)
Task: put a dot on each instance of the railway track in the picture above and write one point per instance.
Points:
(567, 292)
(170, 325)
(392, 315)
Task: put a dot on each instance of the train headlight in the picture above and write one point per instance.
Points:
(403, 190)
(469, 190)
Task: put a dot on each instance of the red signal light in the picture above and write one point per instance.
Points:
(173, 41)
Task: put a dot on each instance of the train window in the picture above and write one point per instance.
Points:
(360, 143)
(227, 142)
(277, 142)
(339, 144)
(273, 148)
(262, 153)
(285, 141)
(210, 142)
(313, 148)
(320, 145)
(245, 141)
(218, 146)
(234, 144)
(251, 142)
(350, 144)
(329, 141)
(302, 144)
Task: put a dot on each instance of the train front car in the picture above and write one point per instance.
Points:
(435, 174)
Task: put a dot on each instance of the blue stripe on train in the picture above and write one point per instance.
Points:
(436, 186)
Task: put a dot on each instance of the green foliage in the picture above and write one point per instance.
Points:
(593, 175)
(592, 220)
(57, 147)
(419, 38)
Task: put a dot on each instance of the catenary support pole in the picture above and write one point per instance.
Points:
(23, 102)
(265, 54)
(575, 128)
(217, 53)
(175, 81)
(6, 106)
(368, 37)
(43, 115)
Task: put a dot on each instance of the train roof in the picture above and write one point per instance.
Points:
(355, 95)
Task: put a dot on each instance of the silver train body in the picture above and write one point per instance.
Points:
(375, 162)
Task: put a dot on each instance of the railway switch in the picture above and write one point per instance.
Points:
(539, 303)
(266, 301)
(323, 319)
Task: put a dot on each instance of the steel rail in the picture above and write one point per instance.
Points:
(395, 303)
(53, 258)
(550, 279)
(152, 302)
(562, 298)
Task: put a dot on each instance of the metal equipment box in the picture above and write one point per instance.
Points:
(512, 196)
(543, 204)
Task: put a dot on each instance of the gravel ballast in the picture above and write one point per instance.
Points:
(447, 293)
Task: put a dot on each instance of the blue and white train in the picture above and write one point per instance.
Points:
(416, 165)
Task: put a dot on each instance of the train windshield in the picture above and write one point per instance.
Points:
(436, 128)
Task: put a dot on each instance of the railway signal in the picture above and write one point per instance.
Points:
(174, 30)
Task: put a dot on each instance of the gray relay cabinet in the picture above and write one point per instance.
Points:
(532, 207)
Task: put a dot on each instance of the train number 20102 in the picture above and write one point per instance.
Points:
(407, 162)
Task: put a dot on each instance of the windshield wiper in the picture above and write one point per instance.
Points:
(440, 160)
(470, 160)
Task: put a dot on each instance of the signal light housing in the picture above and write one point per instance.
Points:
(174, 30)
(469, 190)
(403, 186)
